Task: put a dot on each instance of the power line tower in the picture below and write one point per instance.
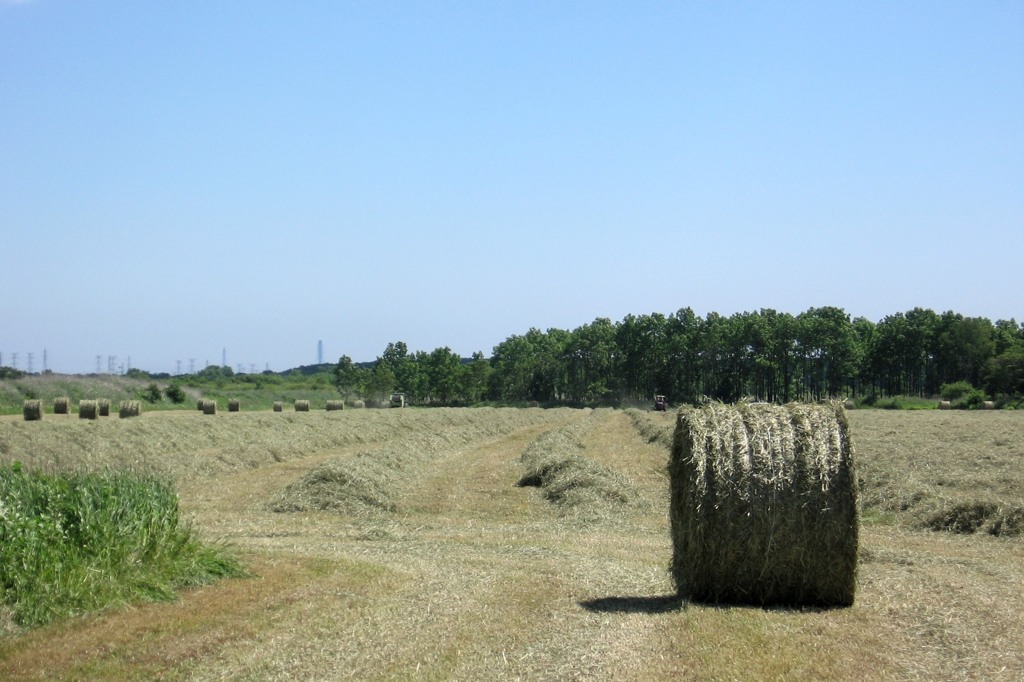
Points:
(223, 357)
(29, 362)
(177, 371)
(320, 352)
(14, 360)
(191, 365)
(46, 367)
(111, 364)
(99, 364)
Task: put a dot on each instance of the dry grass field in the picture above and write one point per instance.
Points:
(406, 544)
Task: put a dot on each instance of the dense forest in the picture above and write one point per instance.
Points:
(764, 355)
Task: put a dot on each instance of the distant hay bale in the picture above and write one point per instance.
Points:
(945, 405)
(61, 405)
(88, 409)
(104, 407)
(209, 406)
(850, 404)
(234, 405)
(358, 404)
(334, 405)
(130, 408)
(199, 404)
(302, 406)
(988, 405)
(764, 505)
(278, 406)
(32, 410)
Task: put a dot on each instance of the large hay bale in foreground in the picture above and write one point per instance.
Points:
(88, 409)
(104, 407)
(32, 410)
(764, 505)
(335, 405)
(62, 405)
(234, 405)
(302, 406)
(278, 406)
(209, 406)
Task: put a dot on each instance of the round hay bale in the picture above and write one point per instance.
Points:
(278, 406)
(358, 404)
(88, 409)
(209, 407)
(334, 405)
(988, 405)
(32, 410)
(199, 404)
(61, 405)
(234, 405)
(945, 405)
(302, 406)
(130, 408)
(849, 404)
(104, 407)
(764, 505)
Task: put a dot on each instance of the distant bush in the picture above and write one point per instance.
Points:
(152, 394)
(175, 393)
(956, 390)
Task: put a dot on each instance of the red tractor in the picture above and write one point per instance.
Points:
(660, 404)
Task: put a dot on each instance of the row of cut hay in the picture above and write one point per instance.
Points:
(764, 506)
(376, 480)
(198, 449)
(653, 429)
(555, 462)
(32, 410)
(973, 483)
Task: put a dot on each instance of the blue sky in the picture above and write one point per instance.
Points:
(181, 178)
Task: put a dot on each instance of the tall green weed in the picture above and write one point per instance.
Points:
(71, 543)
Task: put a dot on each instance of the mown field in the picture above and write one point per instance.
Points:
(401, 544)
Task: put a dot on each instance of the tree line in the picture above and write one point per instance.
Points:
(764, 355)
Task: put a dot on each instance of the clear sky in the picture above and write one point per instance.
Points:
(181, 178)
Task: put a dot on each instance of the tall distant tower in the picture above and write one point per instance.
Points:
(320, 352)
(223, 357)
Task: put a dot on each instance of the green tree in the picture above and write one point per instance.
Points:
(349, 378)
(443, 371)
(475, 378)
(590, 362)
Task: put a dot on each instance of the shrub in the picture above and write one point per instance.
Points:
(175, 393)
(78, 542)
(152, 394)
(955, 390)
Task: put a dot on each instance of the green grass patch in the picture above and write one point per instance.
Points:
(74, 543)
